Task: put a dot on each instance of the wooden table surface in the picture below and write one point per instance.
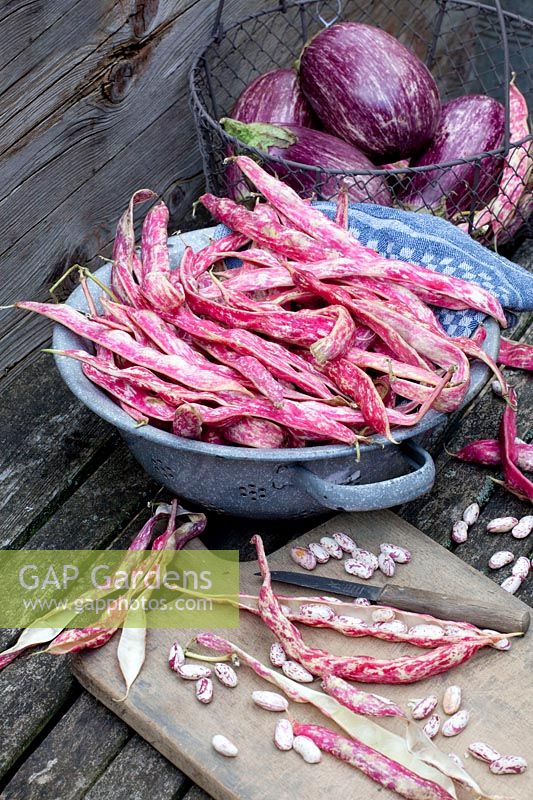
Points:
(68, 481)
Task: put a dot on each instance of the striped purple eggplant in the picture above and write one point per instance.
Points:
(315, 149)
(275, 96)
(469, 125)
(371, 90)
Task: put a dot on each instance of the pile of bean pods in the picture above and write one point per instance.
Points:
(314, 338)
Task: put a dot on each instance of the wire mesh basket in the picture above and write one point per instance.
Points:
(470, 48)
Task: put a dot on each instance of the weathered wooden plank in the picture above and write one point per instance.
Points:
(23, 22)
(47, 445)
(32, 690)
(137, 773)
(72, 756)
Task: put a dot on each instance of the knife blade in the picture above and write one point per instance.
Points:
(506, 615)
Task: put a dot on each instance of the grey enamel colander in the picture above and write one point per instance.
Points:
(268, 484)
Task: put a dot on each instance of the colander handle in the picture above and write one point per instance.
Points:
(371, 496)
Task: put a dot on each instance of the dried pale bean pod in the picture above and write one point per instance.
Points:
(501, 524)
(271, 701)
(383, 615)
(321, 555)
(223, 746)
(277, 655)
(283, 735)
(398, 554)
(344, 541)
(226, 674)
(303, 557)
(509, 765)
(424, 707)
(456, 760)
(512, 584)
(193, 672)
(316, 611)
(460, 532)
(451, 701)
(456, 724)
(521, 567)
(358, 569)
(327, 599)
(296, 672)
(471, 514)
(523, 528)
(331, 547)
(500, 559)
(176, 657)
(483, 752)
(204, 690)
(307, 749)
(432, 726)
(386, 565)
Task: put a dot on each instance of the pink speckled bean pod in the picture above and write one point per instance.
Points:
(154, 249)
(122, 280)
(366, 703)
(514, 480)
(487, 451)
(307, 218)
(375, 765)
(259, 433)
(516, 354)
(358, 385)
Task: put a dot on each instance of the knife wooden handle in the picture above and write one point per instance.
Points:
(498, 616)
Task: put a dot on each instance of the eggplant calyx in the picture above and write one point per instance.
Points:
(261, 135)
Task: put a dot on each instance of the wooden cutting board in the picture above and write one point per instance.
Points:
(497, 687)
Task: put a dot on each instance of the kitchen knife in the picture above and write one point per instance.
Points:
(489, 614)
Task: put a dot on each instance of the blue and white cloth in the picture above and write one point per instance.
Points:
(434, 243)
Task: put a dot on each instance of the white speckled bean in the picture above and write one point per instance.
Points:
(471, 514)
(512, 584)
(303, 557)
(277, 655)
(321, 556)
(424, 708)
(386, 565)
(331, 547)
(361, 601)
(500, 559)
(224, 746)
(193, 672)
(451, 701)
(501, 644)
(399, 554)
(483, 752)
(286, 610)
(509, 765)
(346, 619)
(426, 631)
(523, 527)
(226, 674)
(394, 626)
(456, 724)
(307, 749)
(501, 524)
(521, 567)
(317, 612)
(365, 556)
(204, 690)
(270, 701)
(432, 726)
(296, 672)
(357, 568)
(460, 532)
(383, 615)
(176, 657)
(344, 541)
(283, 735)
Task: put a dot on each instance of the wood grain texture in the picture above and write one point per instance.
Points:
(491, 680)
